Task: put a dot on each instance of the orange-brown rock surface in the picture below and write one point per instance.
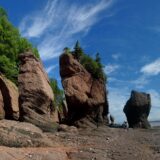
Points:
(85, 96)
(9, 105)
(36, 95)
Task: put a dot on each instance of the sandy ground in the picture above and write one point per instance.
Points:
(101, 143)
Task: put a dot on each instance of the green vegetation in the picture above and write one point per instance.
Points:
(93, 66)
(11, 45)
(8, 68)
(58, 93)
(78, 52)
(67, 50)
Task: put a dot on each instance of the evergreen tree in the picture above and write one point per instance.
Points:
(78, 52)
(93, 66)
(98, 59)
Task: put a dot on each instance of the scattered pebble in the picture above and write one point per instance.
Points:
(29, 155)
(107, 138)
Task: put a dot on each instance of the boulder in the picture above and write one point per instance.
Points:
(36, 96)
(22, 134)
(9, 105)
(85, 96)
(137, 110)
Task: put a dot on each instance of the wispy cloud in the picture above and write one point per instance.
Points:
(116, 56)
(117, 100)
(141, 81)
(137, 83)
(155, 96)
(148, 70)
(155, 100)
(110, 68)
(36, 24)
(152, 68)
(59, 23)
(155, 29)
(50, 68)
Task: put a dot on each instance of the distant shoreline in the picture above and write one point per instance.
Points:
(155, 123)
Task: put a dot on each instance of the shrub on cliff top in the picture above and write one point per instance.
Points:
(93, 66)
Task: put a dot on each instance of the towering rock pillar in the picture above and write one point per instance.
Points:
(137, 110)
(85, 96)
(36, 95)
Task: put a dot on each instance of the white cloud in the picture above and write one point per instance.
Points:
(155, 109)
(147, 70)
(116, 56)
(155, 96)
(152, 68)
(117, 99)
(36, 24)
(138, 83)
(110, 68)
(50, 68)
(141, 81)
(59, 23)
(155, 29)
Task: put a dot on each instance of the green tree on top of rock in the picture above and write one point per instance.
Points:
(67, 50)
(93, 66)
(78, 52)
(11, 45)
(100, 71)
(98, 59)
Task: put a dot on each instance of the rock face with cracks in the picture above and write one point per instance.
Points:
(2, 114)
(36, 95)
(22, 134)
(137, 110)
(9, 105)
(85, 96)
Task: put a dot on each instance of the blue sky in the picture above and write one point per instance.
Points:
(126, 33)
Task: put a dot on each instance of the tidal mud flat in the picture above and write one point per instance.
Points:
(117, 144)
(102, 143)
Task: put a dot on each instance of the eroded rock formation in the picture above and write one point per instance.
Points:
(2, 113)
(36, 95)
(9, 105)
(137, 110)
(85, 96)
(16, 134)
